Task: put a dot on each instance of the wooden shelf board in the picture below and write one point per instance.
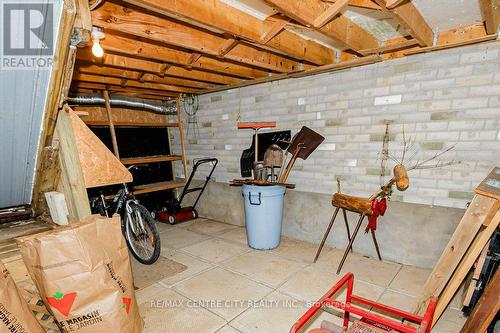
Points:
(132, 124)
(160, 186)
(150, 159)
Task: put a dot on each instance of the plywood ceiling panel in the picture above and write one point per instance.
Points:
(444, 15)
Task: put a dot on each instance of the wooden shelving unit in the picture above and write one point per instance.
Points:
(173, 123)
(132, 124)
(160, 186)
(151, 159)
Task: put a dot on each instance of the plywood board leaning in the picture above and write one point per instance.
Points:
(465, 265)
(99, 166)
(475, 229)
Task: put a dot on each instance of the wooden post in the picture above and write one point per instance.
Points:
(111, 124)
(53, 99)
(72, 180)
(183, 143)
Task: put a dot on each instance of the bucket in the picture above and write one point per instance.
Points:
(263, 215)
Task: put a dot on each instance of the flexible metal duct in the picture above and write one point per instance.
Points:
(165, 107)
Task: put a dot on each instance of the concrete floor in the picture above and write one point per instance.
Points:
(228, 287)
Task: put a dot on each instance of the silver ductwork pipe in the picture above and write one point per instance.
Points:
(162, 107)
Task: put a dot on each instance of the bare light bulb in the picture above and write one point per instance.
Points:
(97, 49)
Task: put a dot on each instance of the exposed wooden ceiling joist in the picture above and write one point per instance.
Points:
(139, 48)
(166, 31)
(330, 13)
(114, 88)
(341, 29)
(143, 77)
(490, 9)
(278, 23)
(206, 69)
(217, 14)
(410, 17)
(368, 4)
(391, 45)
(317, 70)
(394, 3)
(121, 62)
(118, 82)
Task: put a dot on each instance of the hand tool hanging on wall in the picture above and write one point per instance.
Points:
(256, 127)
(302, 145)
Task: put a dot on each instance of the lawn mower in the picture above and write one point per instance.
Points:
(174, 212)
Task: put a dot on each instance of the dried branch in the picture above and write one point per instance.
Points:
(419, 165)
(439, 164)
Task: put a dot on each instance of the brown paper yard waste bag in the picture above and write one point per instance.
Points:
(15, 315)
(83, 274)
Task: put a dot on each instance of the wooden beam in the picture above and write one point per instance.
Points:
(318, 70)
(57, 79)
(222, 17)
(487, 38)
(114, 142)
(490, 9)
(123, 62)
(391, 45)
(139, 48)
(368, 4)
(118, 82)
(279, 23)
(72, 180)
(342, 30)
(409, 16)
(164, 69)
(227, 46)
(83, 23)
(192, 60)
(330, 13)
(112, 88)
(390, 4)
(142, 76)
(166, 31)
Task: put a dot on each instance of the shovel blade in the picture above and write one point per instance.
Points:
(308, 139)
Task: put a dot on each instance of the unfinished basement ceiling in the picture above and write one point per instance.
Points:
(379, 23)
(457, 13)
(164, 48)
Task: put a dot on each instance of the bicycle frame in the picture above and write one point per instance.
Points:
(121, 205)
(425, 322)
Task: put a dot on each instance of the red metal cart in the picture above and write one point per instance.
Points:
(379, 322)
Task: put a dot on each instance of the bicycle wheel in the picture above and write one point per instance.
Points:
(141, 235)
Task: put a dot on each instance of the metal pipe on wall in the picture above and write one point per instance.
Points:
(165, 107)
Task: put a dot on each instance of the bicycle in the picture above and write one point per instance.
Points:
(138, 226)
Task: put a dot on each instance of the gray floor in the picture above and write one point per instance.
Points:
(228, 287)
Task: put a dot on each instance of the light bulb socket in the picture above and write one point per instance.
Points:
(97, 33)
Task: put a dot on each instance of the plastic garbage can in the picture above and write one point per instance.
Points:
(263, 215)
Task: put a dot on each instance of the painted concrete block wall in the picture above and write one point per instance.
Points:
(440, 99)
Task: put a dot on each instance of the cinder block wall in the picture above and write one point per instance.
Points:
(440, 99)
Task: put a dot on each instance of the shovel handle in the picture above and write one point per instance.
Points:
(289, 167)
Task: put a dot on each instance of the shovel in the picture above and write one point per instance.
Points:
(302, 145)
